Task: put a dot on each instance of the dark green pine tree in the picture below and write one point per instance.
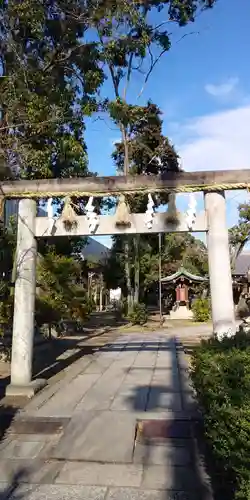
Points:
(149, 153)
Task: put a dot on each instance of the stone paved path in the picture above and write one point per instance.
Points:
(96, 451)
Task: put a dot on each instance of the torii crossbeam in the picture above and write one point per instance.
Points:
(179, 182)
(213, 221)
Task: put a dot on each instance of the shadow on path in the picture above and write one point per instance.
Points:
(49, 360)
(175, 433)
(56, 355)
(12, 490)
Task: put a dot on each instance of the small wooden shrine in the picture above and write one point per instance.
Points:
(183, 280)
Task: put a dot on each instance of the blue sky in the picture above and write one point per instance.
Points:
(202, 86)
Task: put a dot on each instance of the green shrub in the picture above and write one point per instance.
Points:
(201, 310)
(221, 377)
(138, 314)
(59, 297)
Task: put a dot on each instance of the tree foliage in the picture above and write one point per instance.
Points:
(7, 250)
(177, 250)
(133, 36)
(54, 58)
(50, 74)
(201, 309)
(149, 151)
(221, 378)
(240, 233)
(60, 297)
(138, 315)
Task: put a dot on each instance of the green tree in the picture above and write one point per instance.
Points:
(54, 56)
(7, 251)
(51, 70)
(150, 153)
(65, 245)
(49, 77)
(60, 296)
(129, 38)
(239, 234)
(50, 74)
(177, 250)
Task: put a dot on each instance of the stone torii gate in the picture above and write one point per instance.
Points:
(31, 227)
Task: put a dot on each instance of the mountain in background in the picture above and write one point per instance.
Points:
(95, 250)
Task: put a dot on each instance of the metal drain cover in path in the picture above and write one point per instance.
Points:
(38, 425)
(163, 429)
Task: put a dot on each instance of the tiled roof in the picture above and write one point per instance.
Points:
(183, 272)
(242, 264)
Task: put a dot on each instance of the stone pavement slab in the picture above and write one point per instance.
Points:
(106, 436)
(169, 454)
(63, 405)
(35, 471)
(133, 494)
(95, 456)
(177, 478)
(22, 449)
(146, 359)
(99, 365)
(166, 359)
(102, 394)
(28, 447)
(139, 375)
(90, 473)
(161, 398)
(131, 398)
(66, 377)
(56, 492)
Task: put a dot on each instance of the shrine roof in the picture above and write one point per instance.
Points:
(182, 272)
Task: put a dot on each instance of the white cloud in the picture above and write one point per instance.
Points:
(223, 89)
(114, 141)
(219, 141)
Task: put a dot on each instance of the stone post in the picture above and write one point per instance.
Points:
(219, 265)
(24, 304)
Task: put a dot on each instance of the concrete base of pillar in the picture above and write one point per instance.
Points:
(27, 391)
(182, 312)
(228, 330)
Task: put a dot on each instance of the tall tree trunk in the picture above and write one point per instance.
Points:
(126, 240)
(236, 251)
(127, 273)
(137, 267)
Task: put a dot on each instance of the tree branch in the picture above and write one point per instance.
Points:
(152, 66)
(188, 34)
(128, 75)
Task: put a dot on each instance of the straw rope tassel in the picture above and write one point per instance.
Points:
(122, 214)
(172, 214)
(68, 215)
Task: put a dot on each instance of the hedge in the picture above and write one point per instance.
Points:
(221, 377)
(201, 310)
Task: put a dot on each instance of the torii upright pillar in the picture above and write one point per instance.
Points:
(220, 273)
(24, 304)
